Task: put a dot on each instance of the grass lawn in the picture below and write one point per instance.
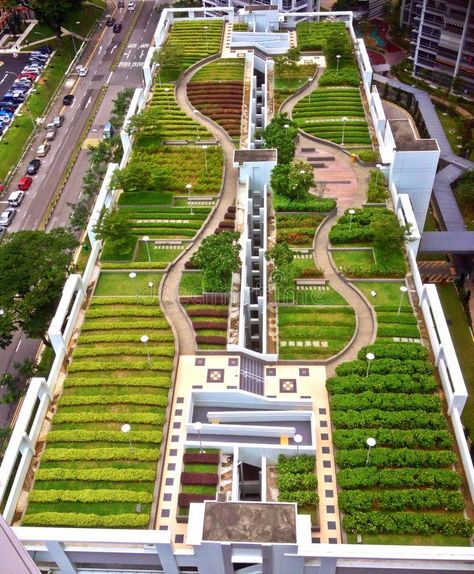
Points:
(453, 128)
(155, 254)
(347, 259)
(463, 344)
(121, 284)
(388, 293)
(191, 283)
(14, 140)
(433, 540)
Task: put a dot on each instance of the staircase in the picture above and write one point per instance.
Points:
(252, 375)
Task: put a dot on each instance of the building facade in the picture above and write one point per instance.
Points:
(442, 40)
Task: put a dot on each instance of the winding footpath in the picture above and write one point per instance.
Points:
(174, 311)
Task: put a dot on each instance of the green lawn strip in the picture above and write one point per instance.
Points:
(122, 284)
(347, 259)
(387, 292)
(453, 127)
(101, 508)
(199, 489)
(200, 467)
(223, 70)
(80, 485)
(288, 79)
(15, 139)
(463, 343)
(406, 539)
(191, 283)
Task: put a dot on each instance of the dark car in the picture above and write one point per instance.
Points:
(7, 107)
(117, 28)
(9, 104)
(33, 167)
(67, 100)
(110, 21)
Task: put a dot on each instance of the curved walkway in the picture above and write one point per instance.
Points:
(174, 311)
(353, 195)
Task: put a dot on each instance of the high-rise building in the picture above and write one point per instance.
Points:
(442, 40)
(283, 5)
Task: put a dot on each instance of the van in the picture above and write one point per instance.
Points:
(16, 198)
(108, 131)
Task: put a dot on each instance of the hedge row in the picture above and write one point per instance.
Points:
(101, 399)
(125, 323)
(371, 477)
(78, 520)
(80, 435)
(407, 523)
(157, 382)
(135, 264)
(101, 300)
(301, 497)
(109, 417)
(386, 401)
(296, 481)
(201, 458)
(387, 383)
(117, 364)
(429, 499)
(375, 418)
(296, 465)
(395, 438)
(185, 498)
(123, 311)
(88, 496)
(97, 474)
(395, 458)
(385, 367)
(66, 454)
(402, 351)
(138, 350)
(110, 337)
(311, 204)
(199, 478)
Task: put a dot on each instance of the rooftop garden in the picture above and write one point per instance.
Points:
(297, 482)
(217, 91)
(199, 479)
(98, 468)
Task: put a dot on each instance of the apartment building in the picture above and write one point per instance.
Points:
(442, 40)
(281, 5)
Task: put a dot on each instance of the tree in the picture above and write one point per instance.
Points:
(147, 118)
(218, 257)
(33, 267)
(114, 228)
(341, 5)
(293, 180)
(13, 386)
(279, 179)
(141, 175)
(465, 188)
(53, 13)
(337, 44)
(388, 234)
(286, 63)
(80, 214)
(282, 257)
(277, 136)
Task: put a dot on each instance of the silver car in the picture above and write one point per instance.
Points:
(7, 217)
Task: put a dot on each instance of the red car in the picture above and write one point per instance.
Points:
(25, 183)
(30, 75)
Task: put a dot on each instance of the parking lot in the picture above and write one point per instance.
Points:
(10, 64)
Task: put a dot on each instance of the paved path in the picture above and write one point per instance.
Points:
(174, 311)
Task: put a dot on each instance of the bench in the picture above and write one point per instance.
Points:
(311, 281)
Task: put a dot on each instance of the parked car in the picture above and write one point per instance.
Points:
(82, 71)
(33, 167)
(131, 6)
(25, 183)
(68, 99)
(43, 150)
(58, 121)
(15, 198)
(110, 21)
(29, 75)
(117, 28)
(51, 133)
(7, 107)
(7, 216)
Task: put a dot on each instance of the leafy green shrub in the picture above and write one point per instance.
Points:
(371, 477)
(351, 501)
(301, 464)
(90, 496)
(135, 265)
(377, 192)
(144, 399)
(346, 76)
(65, 454)
(117, 364)
(368, 155)
(96, 351)
(79, 520)
(80, 435)
(375, 418)
(109, 417)
(385, 367)
(395, 438)
(97, 474)
(381, 384)
(399, 351)
(124, 323)
(301, 497)
(100, 300)
(299, 481)
(386, 401)
(311, 204)
(395, 457)
(396, 330)
(156, 382)
(407, 523)
(97, 312)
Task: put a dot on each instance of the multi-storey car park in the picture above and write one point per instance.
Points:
(305, 421)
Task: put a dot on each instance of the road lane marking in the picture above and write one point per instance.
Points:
(18, 346)
(113, 48)
(100, 50)
(108, 79)
(88, 101)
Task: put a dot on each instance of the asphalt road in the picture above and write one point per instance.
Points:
(98, 58)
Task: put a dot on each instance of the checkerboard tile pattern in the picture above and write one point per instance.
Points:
(215, 375)
(288, 386)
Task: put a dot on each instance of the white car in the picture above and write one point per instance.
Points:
(7, 216)
(131, 6)
(82, 71)
(43, 150)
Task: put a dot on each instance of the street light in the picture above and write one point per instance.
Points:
(126, 428)
(207, 43)
(198, 428)
(351, 213)
(403, 290)
(370, 357)
(167, 101)
(338, 57)
(371, 442)
(195, 112)
(297, 438)
(144, 339)
(146, 239)
(344, 120)
(150, 285)
(310, 79)
(189, 188)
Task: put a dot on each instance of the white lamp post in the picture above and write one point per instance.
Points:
(371, 442)
(338, 57)
(351, 213)
(198, 428)
(133, 276)
(370, 357)
(144, 339)
(195, 112)
(158, 66)
(297, 438)
(344, 120)
(310, 79)
(126, 428)
(146, 239)
(2, 312)
(403, 290)
(379, 167)
(207, 42)
(150, 285)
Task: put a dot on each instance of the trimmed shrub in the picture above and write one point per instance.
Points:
(395, 438)
(199, 478)
(301, 497)
(90, 496)
(375, 418)
(386, 401)
(185, 499)
(395, 457)
(385, 367)
(402, 351)
(429, 499)
(97, 474)
(79, 520)
(371, 477)
(301, 464)
(100, 399)
(108, 417)
(201, 458)
(118, 364)
(382, 384)
(65, 454)
(311, 204)
(96, 381)
(289, 482)
(80, 435)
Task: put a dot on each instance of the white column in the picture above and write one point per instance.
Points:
(58, 555)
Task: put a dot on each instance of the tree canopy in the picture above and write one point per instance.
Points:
(53, 13)
(276, 136)
(114, 228)
(293, 180)
(218, 257)
(33, 268)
